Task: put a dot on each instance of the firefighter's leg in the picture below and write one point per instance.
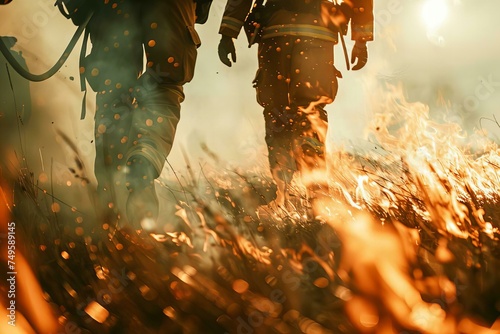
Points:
(313, 85)
(112, 126)
(279, 145)
(111, 69)
(170, 42)
(153, 131)
(309, 148)
(272, 85)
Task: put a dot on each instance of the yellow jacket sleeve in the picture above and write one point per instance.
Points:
(362, 20)
(234, 15)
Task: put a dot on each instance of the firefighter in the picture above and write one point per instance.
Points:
(137, 112)
(296, 77)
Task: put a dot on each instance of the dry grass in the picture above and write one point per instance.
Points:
(433, 212)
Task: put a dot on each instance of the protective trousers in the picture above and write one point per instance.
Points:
(295, 80)
(137, 115)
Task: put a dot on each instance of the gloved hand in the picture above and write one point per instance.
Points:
(359, 55)
(226, 47)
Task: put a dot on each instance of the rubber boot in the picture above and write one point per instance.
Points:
(142, 203)
(153, 130)
(282, 179)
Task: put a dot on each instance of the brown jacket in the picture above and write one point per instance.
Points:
(360, 12)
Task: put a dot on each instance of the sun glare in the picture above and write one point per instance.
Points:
(434, 13)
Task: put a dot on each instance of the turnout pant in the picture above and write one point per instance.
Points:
(137, 113)
(294, 82)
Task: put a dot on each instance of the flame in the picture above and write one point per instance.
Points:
(418, 159)
(418, 165)
(420, 180)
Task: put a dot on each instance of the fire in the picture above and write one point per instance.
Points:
(404, 237)
(422, 167)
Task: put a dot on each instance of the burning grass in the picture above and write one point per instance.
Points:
(405, 241)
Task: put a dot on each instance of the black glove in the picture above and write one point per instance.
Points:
(359, 55)
(226, 47)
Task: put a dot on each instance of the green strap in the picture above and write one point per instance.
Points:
(83, 86)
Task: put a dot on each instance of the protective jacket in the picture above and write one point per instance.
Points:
(358, 12)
